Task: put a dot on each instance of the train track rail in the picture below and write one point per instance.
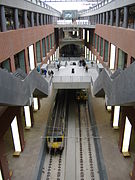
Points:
(88, 166)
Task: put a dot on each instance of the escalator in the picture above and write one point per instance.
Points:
(118, 88)
(16, 89)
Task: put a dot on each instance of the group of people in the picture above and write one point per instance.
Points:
(83, 63)
(44, 71)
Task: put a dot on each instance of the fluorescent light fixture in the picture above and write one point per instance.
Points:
(77, 33)
(95, 58)
(27, 116)
(116, 117)
(1, 178)
(127, 134)
(50, 58)
(31, 57)
(112, 57)
(85, 51)
(35, 100)
(15, 134)
(109, 108)
(73, 32)
(97, 61)
(87, 35)
(90, 55)
(83, 34)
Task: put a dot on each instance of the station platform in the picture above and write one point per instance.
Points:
(117, 167)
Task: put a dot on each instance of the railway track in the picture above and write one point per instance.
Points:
(84, 157)
(88, 167)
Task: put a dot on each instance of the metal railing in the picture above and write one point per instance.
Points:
(44, 5)
(99, 5)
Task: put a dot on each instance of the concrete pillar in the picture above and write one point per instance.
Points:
(25, 19)
(44, 19)
(107, 18)
(103, 18)
(16, 18)
(3, 19)
(111, 18)
(122, 127)
(32, 19)
(3, 161)
(98, 18)
(20, 128)
(41, 19)
(117, 17)
(125, 23)
(37, 19)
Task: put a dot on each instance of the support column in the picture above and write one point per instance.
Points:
(16, 18)
(122, 126)
(41, 19)
(3, 19)
(37, 19)
(3, 161)
(12, 63)
(20, 128)
(26, 60)
(32, 19)
(103, 18)
(107, 18)
(117, 17)
(25, 19)
(125, 23)
(111, 18)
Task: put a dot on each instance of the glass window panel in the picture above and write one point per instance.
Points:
(101, 47)
(20, 61)
(9, 14)
(6, 65)
(43, 47)
(38, 52)
(106, 51)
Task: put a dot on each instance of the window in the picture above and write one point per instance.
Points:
(6, 65)
(29, 18)
(121, 17)
(131, 17)
(122, 59)
(35, 20)
(21, 18)
(20, 61)
(50, 41)
(101, 47)
(47, 44)
(106, 51)
(38, 52)
(98, 44)
(9, 14)
(43, 47)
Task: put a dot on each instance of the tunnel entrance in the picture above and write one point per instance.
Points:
(71, 50)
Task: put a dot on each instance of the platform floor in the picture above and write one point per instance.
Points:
(118, 167)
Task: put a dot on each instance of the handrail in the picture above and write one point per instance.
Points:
(98, 6)
(44, 5)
